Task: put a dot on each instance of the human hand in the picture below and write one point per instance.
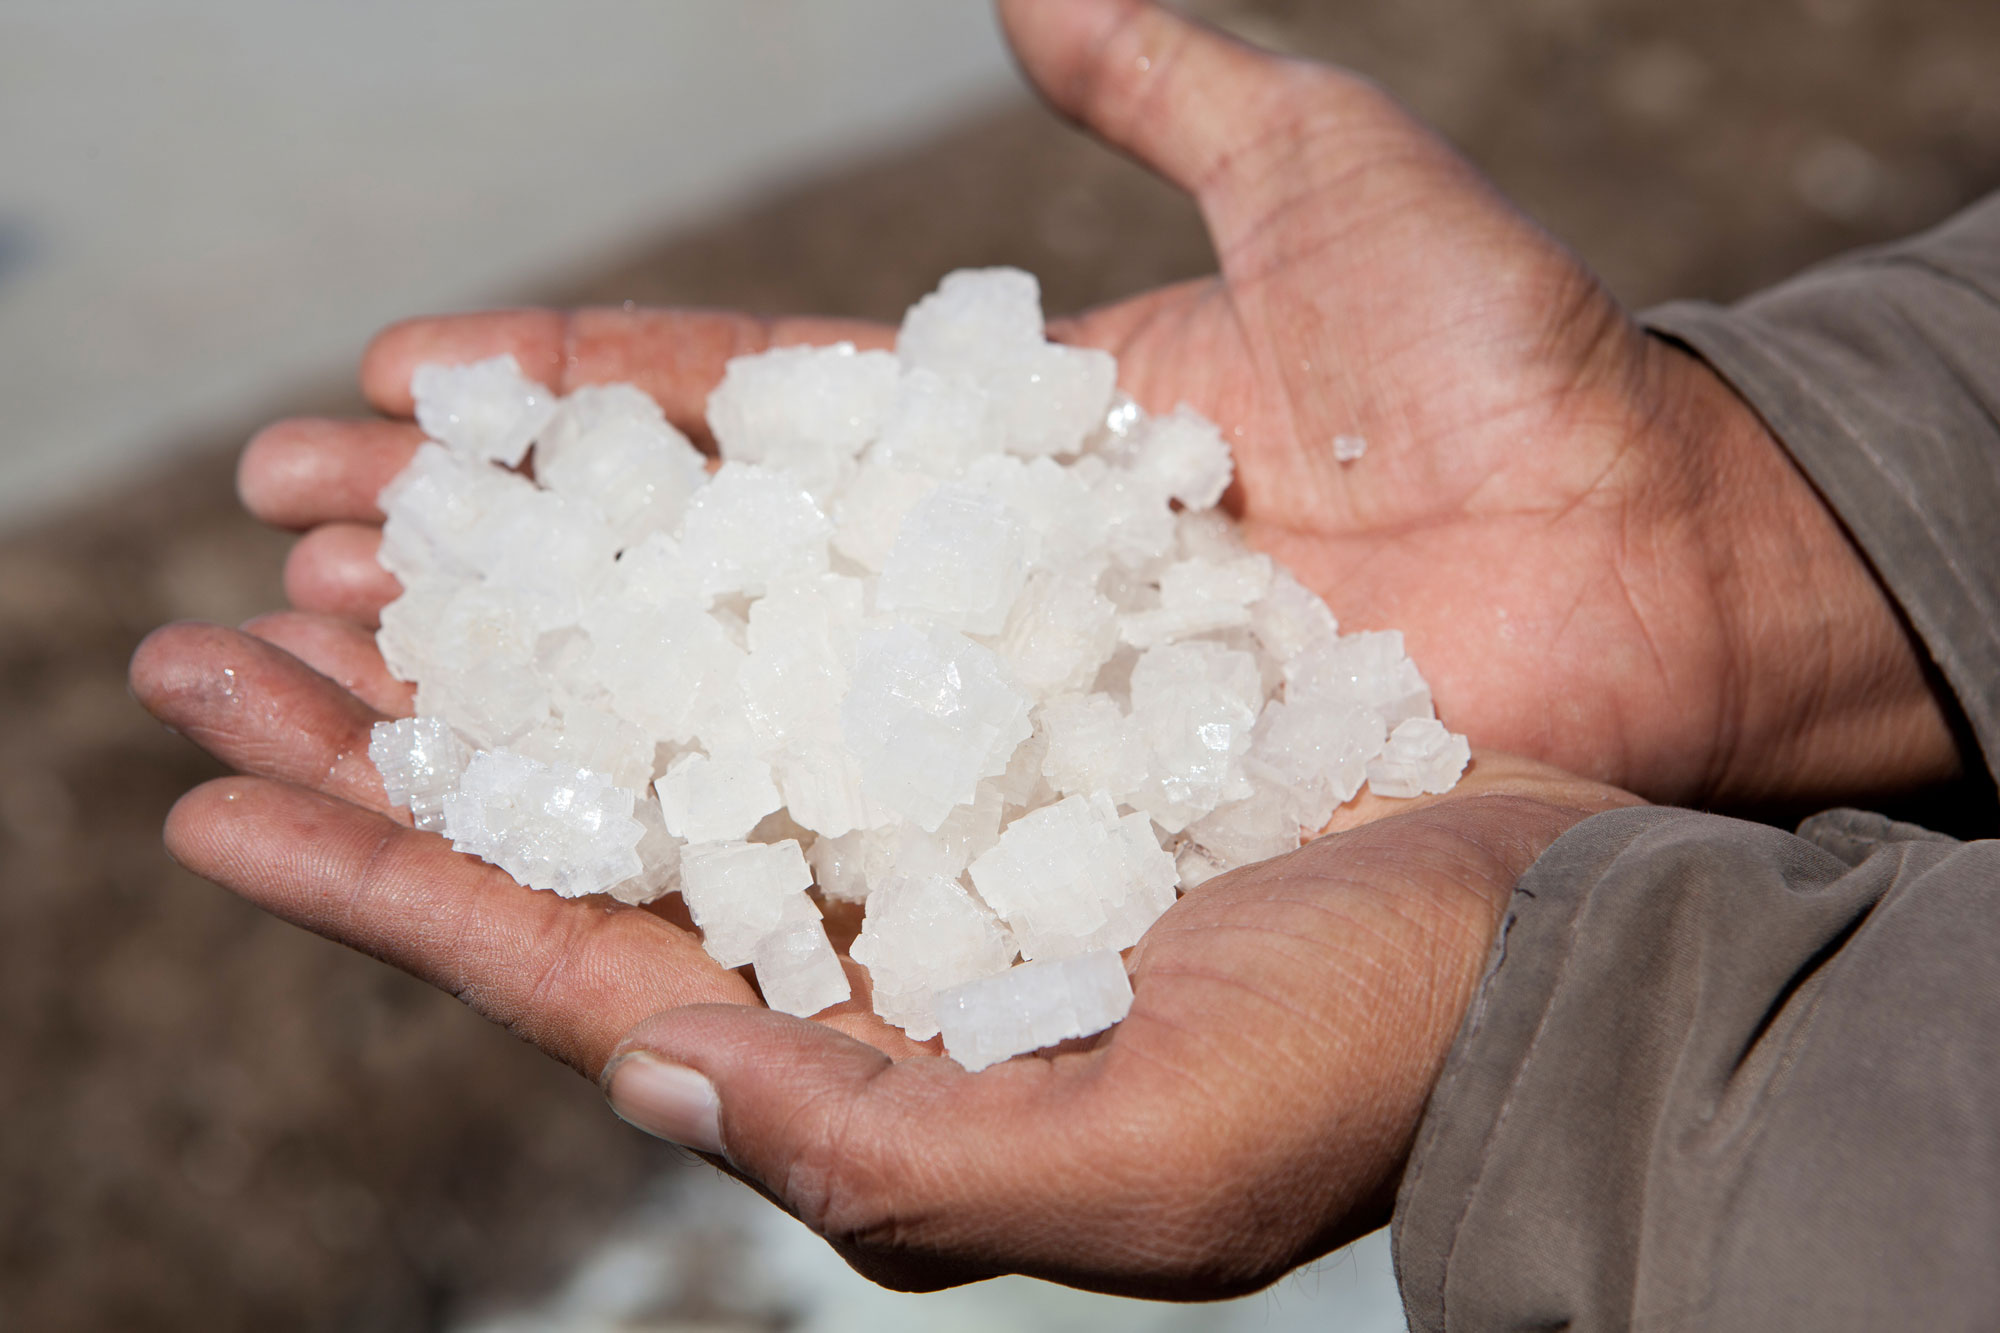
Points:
(1598, 555)
(1251, 1112)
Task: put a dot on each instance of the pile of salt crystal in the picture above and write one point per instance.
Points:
(954, 632)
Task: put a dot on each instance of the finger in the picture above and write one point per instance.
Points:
(333, 570)
(298, 473)
(677, 356)
(1186, 100)
(340, 650)
(569, 975)
(258, 709)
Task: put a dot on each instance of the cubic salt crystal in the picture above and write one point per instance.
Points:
(739, 892)
(1316, 749)
(1061, 630)
(802, 408)
(584, 735)
(1368, 668)
(662, 665)
(1421, 756)
(801, 637)
(420, 761)
(1053, 502)
(490, 703)
(1195, 703)
(592, 407)
(659, 858)
(549, 551)
(823, 790)
(486, 410)
(404, 639)
(716, 799)
(567, 830)
(798, 970)
(923, 934)
(938, 426)
(847, 866)
(1138, 527)
(1241, 833)
(871, 510)
(959, 559)
(1186, 455)
(434, 511)
(1347, 448)
(1199, 597)
(1032, 1006)
(928, 715)
(1073, 876)
(985, 327)
(750, 526)
(639, 475)
(1091, 746)
(1290, 617)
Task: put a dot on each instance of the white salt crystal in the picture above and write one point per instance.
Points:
(1368, 668)
(798, 970)
(567, 830)
(870, 512)
(1290, 617)
(1199, 597)
(1061, 630)
(638, 474)
(1241, 833)
(434, 510)
(923, 934)
(1347, 448)
(954, 329)
(803, 409)
(938, 426)
(1073, 876)
(487, 410)
(584, 735)
(1185, 454)
(1091, 746)
(590, 408)
(740, 892)
(750, 526)
(420, 761)
(847, 866)
(659, 857)
(1315, 749)
(661, 664)
(716, 799)
(1421, 756)
(1195, 704)
(959, 559)
(1032, 1006)
(822, 786)
(928, 715)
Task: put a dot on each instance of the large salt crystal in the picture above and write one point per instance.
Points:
(751, 526)
(960, 621)
(1421, 756)
(739, 892)
(638, 474)
(487, 410)
(1033, 1006)
(924, 934)
(959, 559)
(803, 409)
(1074, 876)
(716, 800)
(567, 830)
(929, 714)
(420, 761)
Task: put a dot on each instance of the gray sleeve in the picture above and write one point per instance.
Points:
(1721, 1077)
(1880, 373)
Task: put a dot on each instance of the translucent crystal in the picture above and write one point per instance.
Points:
(1074, 876)
(740, 892)
(638, 474)
(1421, 756)
(716, 800)
(750, 526)
(928, 715)
(924, 934)
(798, 970)
(803, 409)
(487, 410)
(959, 559)
(1032, 1006)
(420, 761)
(568, 830)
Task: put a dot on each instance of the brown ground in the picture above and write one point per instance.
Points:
(213, 1121)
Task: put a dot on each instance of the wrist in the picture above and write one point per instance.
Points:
(1827, 692)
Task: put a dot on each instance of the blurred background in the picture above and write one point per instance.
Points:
(209, 1120)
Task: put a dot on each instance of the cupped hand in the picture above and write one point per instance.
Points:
(1599, 556)
(1252, 1112)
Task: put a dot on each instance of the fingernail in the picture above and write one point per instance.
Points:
(667, 1100)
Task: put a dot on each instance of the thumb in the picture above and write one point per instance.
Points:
(1184, 99)
(920, 1175)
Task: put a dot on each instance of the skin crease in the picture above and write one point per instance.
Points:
(1598, 555)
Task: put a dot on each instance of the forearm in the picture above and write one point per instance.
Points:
(1720, 1076)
